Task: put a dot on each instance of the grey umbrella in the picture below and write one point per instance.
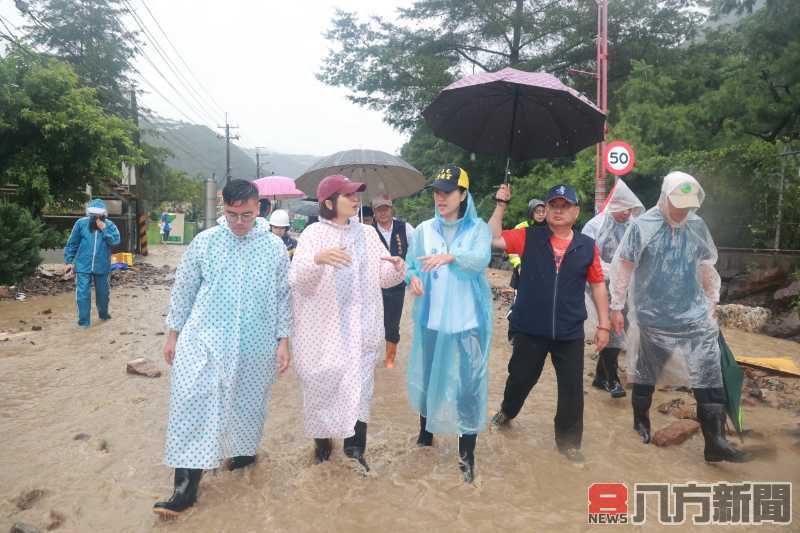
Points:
(383, 173)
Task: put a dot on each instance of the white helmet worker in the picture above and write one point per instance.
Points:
(279, 218)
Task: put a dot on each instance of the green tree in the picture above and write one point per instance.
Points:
(399, 67)
(20, 238)
(55, 138)
(89, 36)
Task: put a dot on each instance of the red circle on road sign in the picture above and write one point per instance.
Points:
(619, 158)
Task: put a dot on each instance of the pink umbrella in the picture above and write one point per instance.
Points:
(277, 187)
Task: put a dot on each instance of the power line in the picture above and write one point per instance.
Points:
(160, 51)
(183, 61)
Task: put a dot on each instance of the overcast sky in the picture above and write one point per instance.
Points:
(258, 59)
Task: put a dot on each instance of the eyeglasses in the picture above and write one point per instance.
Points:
(244, 217)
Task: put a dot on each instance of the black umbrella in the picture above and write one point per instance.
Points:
(516, 114)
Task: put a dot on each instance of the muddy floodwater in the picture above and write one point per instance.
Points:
(82, 442)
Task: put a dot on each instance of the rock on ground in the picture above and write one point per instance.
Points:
(676, 433)
(143, 367)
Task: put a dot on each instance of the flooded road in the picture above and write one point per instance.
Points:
(75, 426)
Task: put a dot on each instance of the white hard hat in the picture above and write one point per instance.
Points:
(279, 218)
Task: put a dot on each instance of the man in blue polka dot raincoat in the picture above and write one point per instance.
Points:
(228, 324)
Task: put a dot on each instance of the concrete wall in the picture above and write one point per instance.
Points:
(734, 261)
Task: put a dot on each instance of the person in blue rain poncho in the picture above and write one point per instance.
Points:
(607, 229)
(665, 267)
(448, 365)
(88, 254)
(228, 329)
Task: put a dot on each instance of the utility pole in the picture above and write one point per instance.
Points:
(601, 75)
(141, 208)
(227, 127)
(258, 160)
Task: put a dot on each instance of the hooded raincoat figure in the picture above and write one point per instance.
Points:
(337, 273)
(88, 254)
(665, 266)
(608, 228)
(228, 327)
(448, 366)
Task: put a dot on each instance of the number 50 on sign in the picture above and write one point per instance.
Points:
(619, 158)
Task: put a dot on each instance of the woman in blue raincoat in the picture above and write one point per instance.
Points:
(88, 254)
(448, 365)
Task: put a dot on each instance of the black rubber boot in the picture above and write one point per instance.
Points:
(712, 422)
(355, 446)
(466, 456)
(641, 399)
(241, 461)
(425, 437)
(184, 495)
(322, 450)
(600, 381)
(609, 358)
(500, 419)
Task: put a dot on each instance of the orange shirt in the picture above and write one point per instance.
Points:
(515, 244)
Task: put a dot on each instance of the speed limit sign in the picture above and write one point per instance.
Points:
(619, 158)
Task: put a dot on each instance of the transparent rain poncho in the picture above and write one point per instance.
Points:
(448, 378)
(665, 268)
(608, 233)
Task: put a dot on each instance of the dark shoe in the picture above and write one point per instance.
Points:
(616, 390)
(184, 495)
(425, 437)
(466, 457)
(355, 446)
(717, 447)
(599, 381)
(641, 415)
(500, 419)
(573, 454)
(322, 450)
(241, 461)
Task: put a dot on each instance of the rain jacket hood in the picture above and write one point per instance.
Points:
(672, 181)
(96, 207)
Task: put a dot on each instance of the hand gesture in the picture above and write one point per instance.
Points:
(283, 356)
(432, 262)
(101, 225)
(503, 194)
(335, 257)
(416, 286)
(600, 339)
(169, 348)
(397, 262)
(68, 270)
(617, 322)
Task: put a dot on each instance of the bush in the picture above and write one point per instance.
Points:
(20, 239)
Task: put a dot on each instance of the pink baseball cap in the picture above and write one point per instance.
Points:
(338, 183)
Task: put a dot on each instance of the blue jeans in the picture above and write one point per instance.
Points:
(83, 289)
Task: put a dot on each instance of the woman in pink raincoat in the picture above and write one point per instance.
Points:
(336, 277)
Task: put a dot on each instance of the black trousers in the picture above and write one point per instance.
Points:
(392, 311)
(525, 367)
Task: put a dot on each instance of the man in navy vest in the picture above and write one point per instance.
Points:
(549, 311)
(395, 235)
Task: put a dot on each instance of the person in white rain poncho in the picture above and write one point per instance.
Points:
(607, 229)
(336, 277)
(665, 262)
(228, 328)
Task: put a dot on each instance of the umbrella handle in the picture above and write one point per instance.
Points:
(508, 171)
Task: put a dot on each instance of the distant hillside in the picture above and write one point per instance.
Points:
(290, 165)
(200, 153)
